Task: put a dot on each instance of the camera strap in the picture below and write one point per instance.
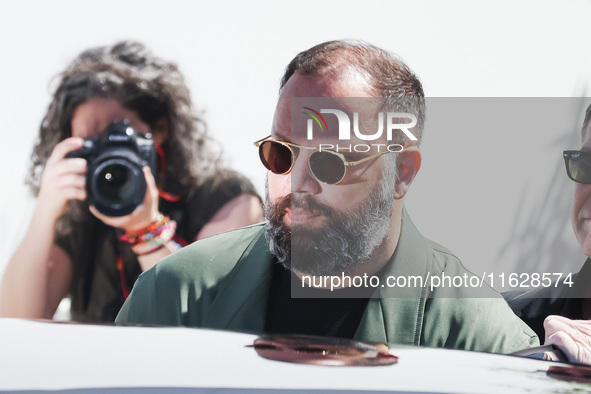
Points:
(162, 164)
(122, 276)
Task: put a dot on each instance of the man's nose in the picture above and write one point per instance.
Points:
(302, 180)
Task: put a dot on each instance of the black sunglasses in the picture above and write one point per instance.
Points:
(326, 166)
(578, 165)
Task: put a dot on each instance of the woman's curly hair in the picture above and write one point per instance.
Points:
(141, 82)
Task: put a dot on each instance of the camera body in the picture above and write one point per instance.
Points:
(115, 182)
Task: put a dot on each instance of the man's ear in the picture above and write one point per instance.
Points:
(408, 164)
(161, 130)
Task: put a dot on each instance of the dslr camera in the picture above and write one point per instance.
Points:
(115, 182)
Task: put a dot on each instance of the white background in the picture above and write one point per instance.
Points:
(233, 54)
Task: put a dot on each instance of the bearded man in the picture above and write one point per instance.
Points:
(337, 235)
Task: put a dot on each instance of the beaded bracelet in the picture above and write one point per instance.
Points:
(146, 233)
(155, 242)
(151, 238)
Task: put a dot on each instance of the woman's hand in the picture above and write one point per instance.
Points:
(63, 179)
(39, 273)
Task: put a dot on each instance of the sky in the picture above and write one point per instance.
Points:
(491, 187)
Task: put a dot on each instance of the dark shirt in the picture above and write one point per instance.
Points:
(535, 305)
(96, 286)
(322, 312)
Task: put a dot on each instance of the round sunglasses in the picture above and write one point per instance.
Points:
(578, 165)
(326, 166)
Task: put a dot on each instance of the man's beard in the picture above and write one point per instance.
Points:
(348, 238)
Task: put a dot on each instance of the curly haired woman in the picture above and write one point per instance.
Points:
(72, 249)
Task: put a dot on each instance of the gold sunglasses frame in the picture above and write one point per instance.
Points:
(294, 157)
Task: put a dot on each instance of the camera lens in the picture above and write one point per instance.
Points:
(113, 182)
(118, 186)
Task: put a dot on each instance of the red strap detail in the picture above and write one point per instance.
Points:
(162, 157)
(168, 196)
(180, 241)
(121, 270)
(162, 170)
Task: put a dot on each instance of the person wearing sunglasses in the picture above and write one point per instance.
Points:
(561, 313)
(333, 208)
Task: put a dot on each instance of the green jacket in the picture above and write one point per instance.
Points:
(223, 282)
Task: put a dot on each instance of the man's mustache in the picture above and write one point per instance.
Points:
(278, 208)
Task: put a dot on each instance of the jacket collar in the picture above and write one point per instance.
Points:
(395, 314)
(241, 304)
